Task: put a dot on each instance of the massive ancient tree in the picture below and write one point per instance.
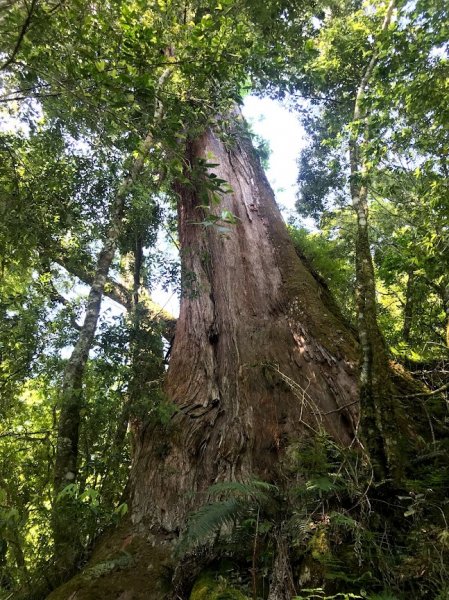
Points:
(262, 363)
(261, 358)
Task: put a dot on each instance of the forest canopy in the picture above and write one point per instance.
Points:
(286, 436)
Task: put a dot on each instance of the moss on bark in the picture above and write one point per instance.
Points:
(125, 566)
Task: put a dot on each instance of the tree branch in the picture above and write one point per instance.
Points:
(113, 289)
(28, 435)
(123, 296)
(26, 25)
(57, 297)
(35, 97)
(439, 390)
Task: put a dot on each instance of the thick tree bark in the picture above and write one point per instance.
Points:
(282, 582)
(259, 358)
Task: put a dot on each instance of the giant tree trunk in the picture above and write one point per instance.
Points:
(259, 357)
(260, 360)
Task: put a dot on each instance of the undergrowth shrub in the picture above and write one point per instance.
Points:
(347, 537)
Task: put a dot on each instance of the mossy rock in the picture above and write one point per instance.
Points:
(208, 587)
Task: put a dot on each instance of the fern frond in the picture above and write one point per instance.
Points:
(344, 521)
(208, 520)
(251, 489)
(240, 499)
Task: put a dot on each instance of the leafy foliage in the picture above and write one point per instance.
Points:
(405, 174)
(341, 530)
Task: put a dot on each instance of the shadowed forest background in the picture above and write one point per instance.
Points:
(285, 437)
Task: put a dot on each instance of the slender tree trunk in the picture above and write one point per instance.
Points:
(65, 530)
(445, 296)
(375, 392)
(146, 369)
(65, 527)
(67, 446)
(123, 295)
(378, 406)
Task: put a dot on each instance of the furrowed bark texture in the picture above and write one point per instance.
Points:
(259, 358)
(282, 581)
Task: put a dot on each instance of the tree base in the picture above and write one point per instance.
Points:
(124, 566)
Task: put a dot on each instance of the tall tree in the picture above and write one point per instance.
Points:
(358, 131)
(379, 416)
(262, 364)
(66, 458)
(273, 362)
